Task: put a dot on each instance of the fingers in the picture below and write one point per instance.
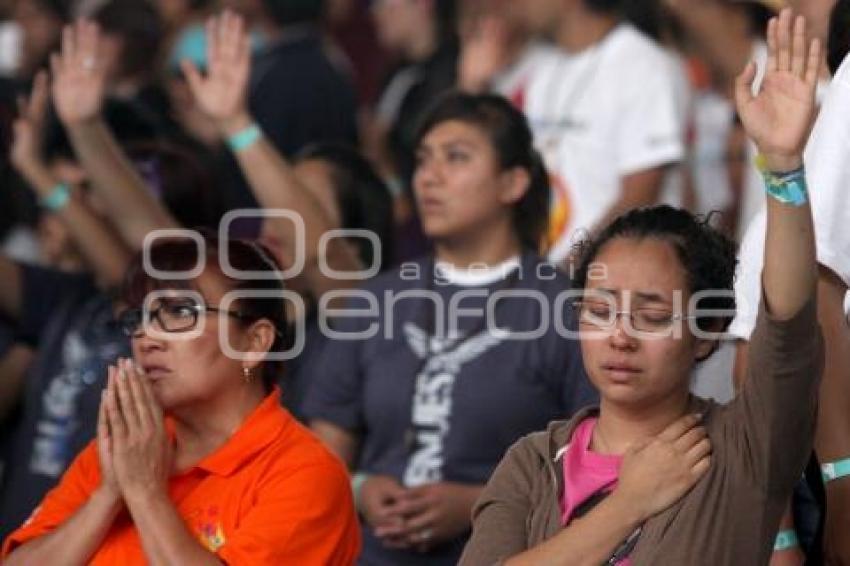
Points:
(38, 98)
(126, 401)
(787, 48)
(813, 65)
(55, 64)
(103, 419)
(689, 439)
(772, 41)
(232, 33)
(798, 47)
(212, 44)
(117, 426)
(698, 452)
(744, 85)
(87, 39)
(700, 468)
(418, 523)
(140, 399)
(147, 391)
(193, 77)
(68, 44)
(407, 506)
(783, 37)
(678, 428)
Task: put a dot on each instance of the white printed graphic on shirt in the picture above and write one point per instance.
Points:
(61, 400)
(432, 398)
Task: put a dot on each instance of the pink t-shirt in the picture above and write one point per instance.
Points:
(586, 472)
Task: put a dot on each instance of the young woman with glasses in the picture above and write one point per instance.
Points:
(195, 461)
(654, 475)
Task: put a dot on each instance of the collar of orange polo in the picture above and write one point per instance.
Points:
(256, 432)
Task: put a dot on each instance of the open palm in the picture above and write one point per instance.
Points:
(779, 117)
(79, 78)
(221, 92)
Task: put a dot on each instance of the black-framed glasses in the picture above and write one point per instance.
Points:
(651, 320)
(173, 317)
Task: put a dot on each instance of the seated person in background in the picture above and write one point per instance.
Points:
(423, 395)
(195, 462)
(636, 481)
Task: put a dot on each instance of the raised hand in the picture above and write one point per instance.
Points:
(483, 53)
(221, 93)
(29, 126)
(79, 76)
(779, 117)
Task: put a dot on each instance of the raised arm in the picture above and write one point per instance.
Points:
(105, 254)
(774, 416)
(779, 120)
(78, 91)
(222, 94)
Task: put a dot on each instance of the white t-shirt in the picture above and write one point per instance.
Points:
(598, 115)
(713, 116)
(827, 159)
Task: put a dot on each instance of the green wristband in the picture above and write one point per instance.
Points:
(357, 481)
(57, 199)
(244, 138)
(785, 540)
(835, 470)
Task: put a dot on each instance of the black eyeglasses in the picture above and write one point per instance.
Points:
(171, 316)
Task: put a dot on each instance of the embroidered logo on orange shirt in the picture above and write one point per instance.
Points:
(210, 532)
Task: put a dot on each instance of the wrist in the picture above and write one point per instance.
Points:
(234, 124)
(81, 123)
(107, 496)
(626, 508)
(30, 168)
(146, 494)
(358, 479)
(777, 163)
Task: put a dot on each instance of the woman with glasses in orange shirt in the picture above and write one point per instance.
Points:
(195, 461)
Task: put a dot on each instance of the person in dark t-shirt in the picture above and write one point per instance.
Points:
(439, 366)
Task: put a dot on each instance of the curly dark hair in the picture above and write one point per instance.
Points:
(708, 256)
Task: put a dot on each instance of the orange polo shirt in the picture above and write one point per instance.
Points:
(272, 494)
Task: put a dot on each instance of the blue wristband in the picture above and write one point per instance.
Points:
(785, 540)
(835, 470)
(787, 188)
(57, 199)
(244, 138)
